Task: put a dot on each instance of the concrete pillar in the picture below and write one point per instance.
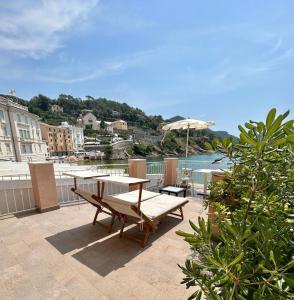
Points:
(44, 186)
(215, 176)
(137, 169)
(171, 165)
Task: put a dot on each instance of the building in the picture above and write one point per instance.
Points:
(56, 108)
(59, 140)
(77, 134)
(120, 125)
(88, 120)
(20, 133)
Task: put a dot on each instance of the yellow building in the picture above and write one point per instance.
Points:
(120, 125)
(59, 140)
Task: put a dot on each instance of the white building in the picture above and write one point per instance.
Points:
(77, 136)
(20, 134)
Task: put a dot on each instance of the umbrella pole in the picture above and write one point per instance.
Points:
(187, 143)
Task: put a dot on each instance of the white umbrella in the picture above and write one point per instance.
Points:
(187, 124)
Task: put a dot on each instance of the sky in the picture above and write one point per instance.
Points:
(226, 61)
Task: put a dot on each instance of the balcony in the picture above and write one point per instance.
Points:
(60, 254)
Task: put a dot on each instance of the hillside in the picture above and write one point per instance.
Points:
(109, 110)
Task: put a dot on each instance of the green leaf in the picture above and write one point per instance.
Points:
(249, 126)
(286, 114)
(270, 117)
(260, 127)
(290, 138)
(194, 227)
(289, 278)
(236, 260)
(272, 257)
(274, 127)
(245, 138)
(184, 234)
(279, 142)
(213, 261)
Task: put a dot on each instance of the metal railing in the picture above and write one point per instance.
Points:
(16, 194)
(16, 189)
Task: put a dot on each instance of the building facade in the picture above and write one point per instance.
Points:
(77, 134)
(56, 108)
(20, 133)
(120, 125)
(59, 140)
(88, 120)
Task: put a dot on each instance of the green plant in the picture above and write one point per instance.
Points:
(252, 256)
(108, 151)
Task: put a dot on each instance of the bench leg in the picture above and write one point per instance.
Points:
(123, 226)
(146, 236)
(96, 215)
(111, 223)
(181, 211)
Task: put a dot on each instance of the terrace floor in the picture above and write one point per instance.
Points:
(61, 255)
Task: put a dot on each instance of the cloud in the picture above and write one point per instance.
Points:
(85, 75)
(35, 28)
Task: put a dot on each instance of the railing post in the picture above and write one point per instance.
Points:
(137, 168)
(171, 165)
(44, 186)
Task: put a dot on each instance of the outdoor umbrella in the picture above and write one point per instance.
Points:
(187, 124)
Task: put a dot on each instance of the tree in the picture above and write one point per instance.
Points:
(252, 256)
(102, 125)
(108, 152)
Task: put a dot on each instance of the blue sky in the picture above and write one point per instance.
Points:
(227, 61)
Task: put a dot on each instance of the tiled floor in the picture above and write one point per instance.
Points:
(61, 255)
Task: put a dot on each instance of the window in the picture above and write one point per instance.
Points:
(24, 133)
(5, 132)
(40, 148)
(1, 115)
(26, 120)
(26, 149)
(18, 118)
(8, 148)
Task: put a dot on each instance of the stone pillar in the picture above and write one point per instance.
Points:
(44, 186)
(137, 169)
(171, 165)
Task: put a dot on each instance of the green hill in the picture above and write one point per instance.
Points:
(109, 110)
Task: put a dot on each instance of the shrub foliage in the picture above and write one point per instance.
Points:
(252, 255)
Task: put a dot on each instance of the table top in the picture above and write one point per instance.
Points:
(208, 171)
(172, 189)
(87, 174)
(123, 180)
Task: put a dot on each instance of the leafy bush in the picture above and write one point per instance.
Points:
(252, 256)
(108, 152)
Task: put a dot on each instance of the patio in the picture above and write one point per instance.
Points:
(61, 255)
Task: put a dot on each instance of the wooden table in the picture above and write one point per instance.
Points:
(130, 181)
(206, 173)
(83, 175)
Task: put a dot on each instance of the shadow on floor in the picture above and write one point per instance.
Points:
(112, 253)
(79, 237)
